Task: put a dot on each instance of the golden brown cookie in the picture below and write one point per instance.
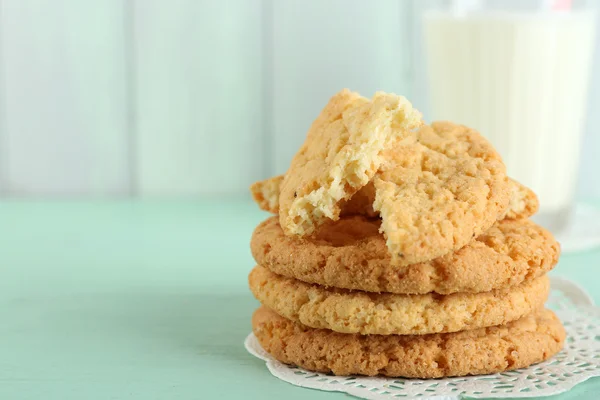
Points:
(523, 201)
(342, 152)
(349, 311)
(350, 253)
(266, 194)
(529, 340)
(439, 189)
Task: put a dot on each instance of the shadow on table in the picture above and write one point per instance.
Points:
(209, 325)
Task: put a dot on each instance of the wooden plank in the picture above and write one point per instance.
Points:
(64, 98)
(198, 96)
(322, 47)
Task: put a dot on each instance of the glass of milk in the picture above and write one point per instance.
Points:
(520, 77)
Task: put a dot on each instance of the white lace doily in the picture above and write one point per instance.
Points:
(577, 362)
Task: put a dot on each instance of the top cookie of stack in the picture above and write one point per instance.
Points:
(435, 187)
(378, 215)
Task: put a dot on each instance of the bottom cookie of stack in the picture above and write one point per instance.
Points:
(518, 344)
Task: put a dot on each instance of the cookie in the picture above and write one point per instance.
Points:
(266, 194)
(342, 151)
(439, 189)
(350, 253)
(529, 340)
(523, 201)
(361, 203)
(348, 311)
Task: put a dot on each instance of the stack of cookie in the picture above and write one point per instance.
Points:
(400, 249)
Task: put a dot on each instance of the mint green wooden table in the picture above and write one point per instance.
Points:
(126, 300)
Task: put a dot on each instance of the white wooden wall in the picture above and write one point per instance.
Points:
(64, 104)
(185, 97)
(198, 93)
(317, 48)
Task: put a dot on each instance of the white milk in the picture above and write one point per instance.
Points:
(521, 80)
